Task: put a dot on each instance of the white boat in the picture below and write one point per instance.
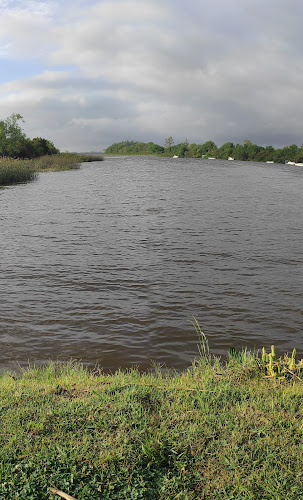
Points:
(288, 162)
(211, 158)
(230, 158)
(269, 162)
(175, 156)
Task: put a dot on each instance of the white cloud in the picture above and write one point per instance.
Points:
(144, 70)
(24, 28)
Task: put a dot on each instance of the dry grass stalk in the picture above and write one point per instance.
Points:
(61, 494)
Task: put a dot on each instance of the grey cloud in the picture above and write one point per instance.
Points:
(145, 70)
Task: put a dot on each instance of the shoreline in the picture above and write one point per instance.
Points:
(213, 431)
(17, 171)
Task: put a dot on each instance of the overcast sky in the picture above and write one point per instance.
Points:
(87, 73)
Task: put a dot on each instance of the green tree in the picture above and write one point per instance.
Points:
(43, 147)
(240, 152)
(279, 156)
(12, 137)
(153, 148)
(226, 150)
(208, 147)
(252, 151)
(15, 144)
(269, 154)
(134, 148)
(247, 142)
(182, 149)
(169, 142)
(194, 151)
(291, 152)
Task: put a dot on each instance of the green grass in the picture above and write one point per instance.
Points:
(215, 431)
(63, 161)
(55, 163)
(15, 171)
(86, 157)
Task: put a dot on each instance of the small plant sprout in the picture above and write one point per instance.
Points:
(282, 368)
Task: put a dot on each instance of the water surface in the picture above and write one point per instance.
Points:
(108, 264)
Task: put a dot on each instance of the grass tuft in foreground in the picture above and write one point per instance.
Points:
(215, 431)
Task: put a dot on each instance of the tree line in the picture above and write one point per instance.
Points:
(244, 152)
(15, 144)
(134, 148)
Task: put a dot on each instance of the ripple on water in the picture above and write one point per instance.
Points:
(108, 264)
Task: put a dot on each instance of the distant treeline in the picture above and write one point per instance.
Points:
(244, 152)
(15, 144)
(134, 148)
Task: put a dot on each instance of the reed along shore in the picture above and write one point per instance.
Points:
(15, 171)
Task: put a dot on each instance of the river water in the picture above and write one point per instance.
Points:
(109, 264)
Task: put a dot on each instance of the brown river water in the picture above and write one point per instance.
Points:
(108, 264)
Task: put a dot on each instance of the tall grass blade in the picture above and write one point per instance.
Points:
(203, 346)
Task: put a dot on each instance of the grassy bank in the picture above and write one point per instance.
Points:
(56, 163)
(86, 157)
(18, 171)
(232, 432)
(62, 161)
(14, 171)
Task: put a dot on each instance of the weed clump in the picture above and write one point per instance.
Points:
(16, 171)
(283, 369)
